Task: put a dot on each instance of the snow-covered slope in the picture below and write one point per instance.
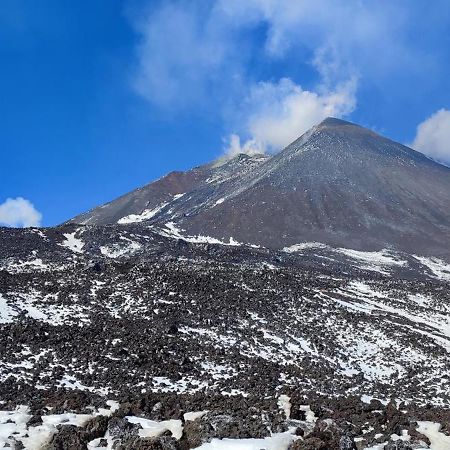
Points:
(229, 309)
(124, 311)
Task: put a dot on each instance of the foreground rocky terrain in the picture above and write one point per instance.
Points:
(307, 347)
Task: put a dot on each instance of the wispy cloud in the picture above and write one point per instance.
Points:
(234, 146)
(19, 212)
(196, 54)
(185, 53)
(277, 113)
(433, 136)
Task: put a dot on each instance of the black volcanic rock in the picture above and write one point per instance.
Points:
(339, 184)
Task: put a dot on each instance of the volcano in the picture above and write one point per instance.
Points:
(338, 184)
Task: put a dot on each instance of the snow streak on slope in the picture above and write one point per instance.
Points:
(431, 323)
(147, 213)
(171, 230)
(439, 268)
(381, 261)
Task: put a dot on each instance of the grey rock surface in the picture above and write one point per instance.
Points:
(339, 184)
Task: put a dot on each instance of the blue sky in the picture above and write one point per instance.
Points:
(99, 97)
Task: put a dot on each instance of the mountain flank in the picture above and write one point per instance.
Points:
(338, 184)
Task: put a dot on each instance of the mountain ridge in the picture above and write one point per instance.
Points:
(338, 183)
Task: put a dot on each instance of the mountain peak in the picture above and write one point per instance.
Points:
(342, 125)
(334, 122)
(345, 128)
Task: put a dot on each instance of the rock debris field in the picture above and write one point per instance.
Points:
(130, 337)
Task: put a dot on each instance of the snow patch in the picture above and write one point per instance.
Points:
(173, 231)
(40, 308)
(278, 441)
(13, 426)
(310, 416)
(194, 415)
(438, 440)
(144, 215)
(147, 213)
(284, 403)
(303, 246)
(151, 428)
(116, 250)
(73, 243)
(367, 399)
(7, 313)
(24, 266)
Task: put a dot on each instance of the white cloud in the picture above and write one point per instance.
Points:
(280, 112)
(347, 32)
(19, 212)
(182, 53)
(433, 136)
(275, 114)
(194, 52)
(250, 147)
(209, 55)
